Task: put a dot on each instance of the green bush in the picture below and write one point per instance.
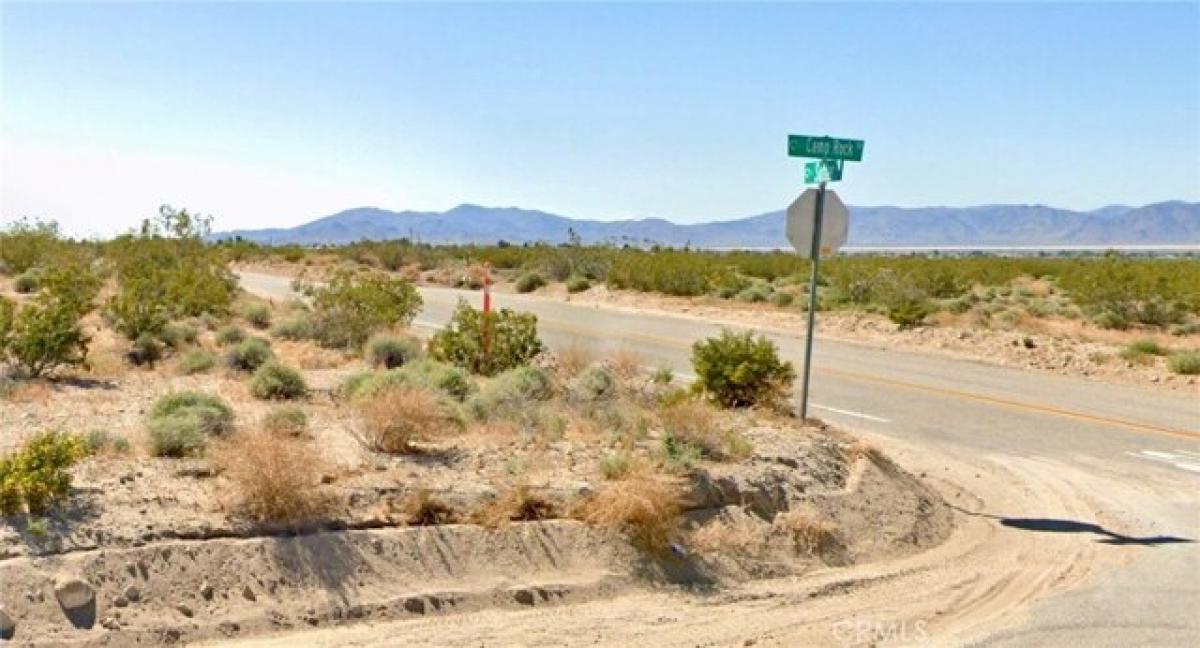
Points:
(181, 423)
(196, 361)
(1147, 346)
(27, 282)
(249, 354)
(178, 334)
(740, 370)
(511, 340)
(230, 334)
(595, 384)
(1186, 363)
(36, 476)
(45, 333)
(389, 351)
(277, 381)
(425, 373)
(529, 282)
(354, 305)
(166, 272)
(295, 328)
(511, 392)
(257, 314)
(215, 416)
(782, 299)
(578, 283)
(25, 244)
(909, 313)
(755, 293)
(286, 419)
(145, 350)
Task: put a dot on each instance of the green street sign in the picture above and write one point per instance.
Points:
(826, 148)
(822, 171)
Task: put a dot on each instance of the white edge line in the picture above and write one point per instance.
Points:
(877, 419)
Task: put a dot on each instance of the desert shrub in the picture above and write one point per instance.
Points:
(25, 244)
(578, 283)
(352, 306)
(1107, 319)
(249, 354)
(645, 507)
(1186, 328)
(616, 465)
(45, 333)
(145, 350)
(230, 334)
(295, 328)
(196, 361)
(662, 376)
(167, 271)
(423, 508)
(740, 370)
(529, 282)
(1147, 346)
(273, 479)
(257, 314)
(512, 392)
(594, 385)
(277, 381)
(573, 358)
(517, 504)
(102, 441)
(758, 292)
(397, 417)
(908, 313)
(782, 299)
(697, 424)
(36, 476)
(28, 282)
(1185, 362)
(487, 344)
(390, 351)
(181, 423)
(286, 419)
(425, 373)
(178, 334)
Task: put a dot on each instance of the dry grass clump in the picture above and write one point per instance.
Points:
(645, 507)
(859, 450)
(273, 478)
(626, 363)
(809, 535)
(422, 508)
(698, 425)
(518, 504)
(741, 535)
(574, 358)
(398, 416)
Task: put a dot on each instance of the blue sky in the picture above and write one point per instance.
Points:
(274, 114)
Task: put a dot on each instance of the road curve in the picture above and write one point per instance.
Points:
(1125, 461)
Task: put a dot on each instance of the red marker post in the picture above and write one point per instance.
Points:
(487, 313)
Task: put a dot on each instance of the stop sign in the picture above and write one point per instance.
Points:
(835, 223)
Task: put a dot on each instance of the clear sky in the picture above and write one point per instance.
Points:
(273, 114)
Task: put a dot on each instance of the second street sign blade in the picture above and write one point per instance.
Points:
(826, 148)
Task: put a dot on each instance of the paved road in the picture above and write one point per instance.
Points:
(1134, 440)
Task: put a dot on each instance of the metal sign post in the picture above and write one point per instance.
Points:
(831, 154)
(815, 255)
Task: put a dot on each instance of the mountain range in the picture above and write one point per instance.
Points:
(1165, 223)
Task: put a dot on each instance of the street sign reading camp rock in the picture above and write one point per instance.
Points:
(835, 223)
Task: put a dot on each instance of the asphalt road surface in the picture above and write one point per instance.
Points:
(1130, 441)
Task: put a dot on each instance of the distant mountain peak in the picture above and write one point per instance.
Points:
(1171, 222)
